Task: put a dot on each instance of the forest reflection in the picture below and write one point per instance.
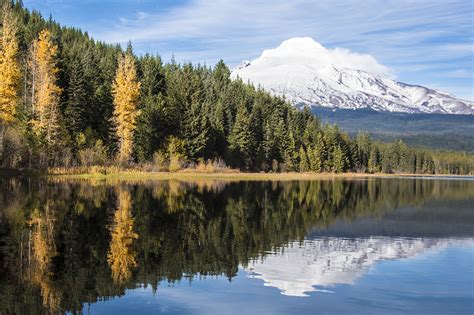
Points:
(67, 243)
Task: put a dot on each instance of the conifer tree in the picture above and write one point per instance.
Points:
(126, 91)
(311, 131)
(373, 164)
(340, 160)
(290, 152)
(304, 162)
(210, 114)
(240, 138)
(75, 112)
(331, 140)
(152, 124)
(149, 134)
(317, 154)
(361, 152)
(197, 132)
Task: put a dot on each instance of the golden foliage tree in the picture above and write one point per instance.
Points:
(45, 93)
(10, 73)
(121, 257)
(126, 91)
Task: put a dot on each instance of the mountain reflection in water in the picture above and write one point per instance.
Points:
(64, 244)
(297, 268)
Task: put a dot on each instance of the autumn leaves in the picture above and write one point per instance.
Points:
(126, 91)
(10, 71)
(44, 93)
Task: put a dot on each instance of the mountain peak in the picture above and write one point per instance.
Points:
(301, 44)
(305, 72)
(306, 52)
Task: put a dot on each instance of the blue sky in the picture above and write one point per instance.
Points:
(429, 43)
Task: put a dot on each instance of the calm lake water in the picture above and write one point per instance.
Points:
(360, 246)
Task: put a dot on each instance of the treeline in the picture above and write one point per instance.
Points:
(67, 100)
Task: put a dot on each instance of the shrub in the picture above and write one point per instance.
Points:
(176, 163)
(159, 161)
(201, 166)
(96, 155)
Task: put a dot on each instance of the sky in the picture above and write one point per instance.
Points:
(429, 43)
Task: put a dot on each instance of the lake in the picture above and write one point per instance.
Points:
(340, 246)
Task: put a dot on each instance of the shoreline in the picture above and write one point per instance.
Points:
(225, 175)
(241, 176)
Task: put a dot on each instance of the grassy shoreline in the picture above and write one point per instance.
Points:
(235, 176)
(232, 175)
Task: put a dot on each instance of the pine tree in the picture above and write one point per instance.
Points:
(153, 80)
(386, 160)
(362, 152)
(148, 136)
(198, 133)
(317, 154)
(10, 72)
(221, 76)
(291, 153)
(209, 113)
(311, 131)
(340, 160)
(197, 126)
(126, 91)
(240, 138)
(373, 164)
(75, 112)
(331, 139)
(152, 124)
(304, 162)
(102, 72)
(256, 129)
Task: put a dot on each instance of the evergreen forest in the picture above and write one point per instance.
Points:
(67, 100)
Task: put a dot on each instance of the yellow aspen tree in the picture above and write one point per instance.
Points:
(45, 91)
(126, 91)
(10, 73)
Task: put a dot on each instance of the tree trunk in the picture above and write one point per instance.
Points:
(2, 136)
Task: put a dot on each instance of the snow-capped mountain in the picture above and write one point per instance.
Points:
(307, 73)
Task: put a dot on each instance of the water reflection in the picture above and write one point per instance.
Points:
(64, 244)
(303, 267)
(41, 251)
(121, 256)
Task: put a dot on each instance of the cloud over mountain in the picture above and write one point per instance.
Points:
(307, 73)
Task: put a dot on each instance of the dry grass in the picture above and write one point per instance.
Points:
(204, 170)
(191, 175)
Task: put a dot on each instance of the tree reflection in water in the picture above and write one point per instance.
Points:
(121, 256)
(67, 243)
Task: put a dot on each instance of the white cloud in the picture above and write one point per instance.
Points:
(398, 33)
(227, 28)
(305, 50)
(353, 60)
